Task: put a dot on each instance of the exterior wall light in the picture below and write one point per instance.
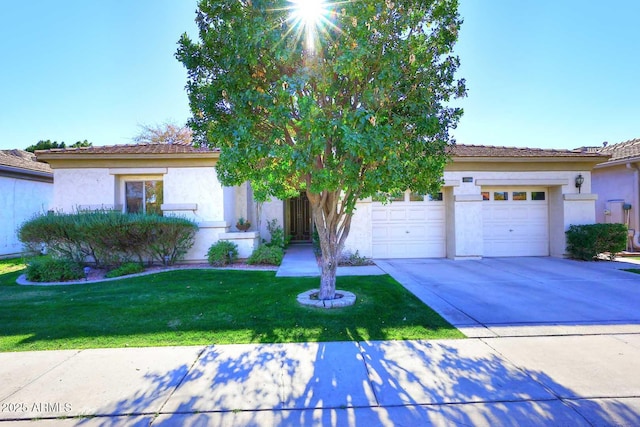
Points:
(579, 182)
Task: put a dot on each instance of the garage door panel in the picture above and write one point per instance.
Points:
(416, 215)
(379, 215)
(397, 214)
(409, 250)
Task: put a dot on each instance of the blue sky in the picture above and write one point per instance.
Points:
(546, 73)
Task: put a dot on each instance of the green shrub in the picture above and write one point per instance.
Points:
(124, 269)
(587, 241)
(268, 255)
(171, 237)
(278, 238)
(354, 259)
(48, 269)
(222, 253)
(110, 238)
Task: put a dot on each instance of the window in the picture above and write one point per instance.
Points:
(500, 195)
(485, 195)
(399, 198)
(537, 195)
(519, 195)
(143, 197)
(415, 197)
(434, 197)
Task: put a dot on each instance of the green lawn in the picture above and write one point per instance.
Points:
(192, 307)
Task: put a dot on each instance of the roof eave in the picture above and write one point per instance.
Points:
(44, 156)
(531, 159)
(618, 162)
(27, 174)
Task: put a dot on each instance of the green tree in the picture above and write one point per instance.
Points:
(45, 145)
(80, 144)
(48, 145)
(343, 100)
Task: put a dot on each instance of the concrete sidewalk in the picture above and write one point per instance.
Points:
(300, 261)
(570, 380)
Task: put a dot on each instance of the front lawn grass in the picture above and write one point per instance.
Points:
(195, 307)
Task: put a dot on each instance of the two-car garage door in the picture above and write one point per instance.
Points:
(515, 222)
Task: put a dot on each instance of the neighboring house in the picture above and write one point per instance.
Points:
(496, 201)
(26, 188)
(617, 182)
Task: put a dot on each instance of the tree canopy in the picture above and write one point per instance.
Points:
(346, 101)
(48, 145)
(165, 133)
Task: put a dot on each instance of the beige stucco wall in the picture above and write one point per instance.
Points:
(83, 188)
(267, 211)
(359, 238)
(20, 200)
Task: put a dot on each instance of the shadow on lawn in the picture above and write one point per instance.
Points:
(193, 308)
(349, 384)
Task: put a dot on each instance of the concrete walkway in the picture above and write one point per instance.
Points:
(572, 381)
(300, 261)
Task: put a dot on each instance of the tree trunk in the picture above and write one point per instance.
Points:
(332, 224)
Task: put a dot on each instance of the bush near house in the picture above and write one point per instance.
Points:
(108, 238)
(266, 255)
(222, 253)
(48, 269)
(586, 242)
(125, 269)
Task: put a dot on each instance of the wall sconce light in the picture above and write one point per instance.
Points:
(579, 182)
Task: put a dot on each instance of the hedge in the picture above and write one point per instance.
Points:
(586, 242)
(109, 238)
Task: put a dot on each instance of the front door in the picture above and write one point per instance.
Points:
(299, 218)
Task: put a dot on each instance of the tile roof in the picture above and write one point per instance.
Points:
(143, 148)
(460, 150)
(21, 159)
(622, 150)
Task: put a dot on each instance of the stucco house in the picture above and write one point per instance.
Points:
(26, 188)
(496, 201)
(617, 182)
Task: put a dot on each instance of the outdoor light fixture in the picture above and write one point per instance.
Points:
(86, 272)
(579, 182)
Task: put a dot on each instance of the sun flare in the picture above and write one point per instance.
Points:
(309, 17)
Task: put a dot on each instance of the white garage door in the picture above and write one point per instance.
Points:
(411, 227)
(515, 221)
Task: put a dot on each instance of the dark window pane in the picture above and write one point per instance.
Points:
(435, 197)
(538, 195)
(133, 193)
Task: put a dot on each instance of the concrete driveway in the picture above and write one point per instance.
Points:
(526, 295)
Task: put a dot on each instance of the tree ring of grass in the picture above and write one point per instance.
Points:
(342, 299)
